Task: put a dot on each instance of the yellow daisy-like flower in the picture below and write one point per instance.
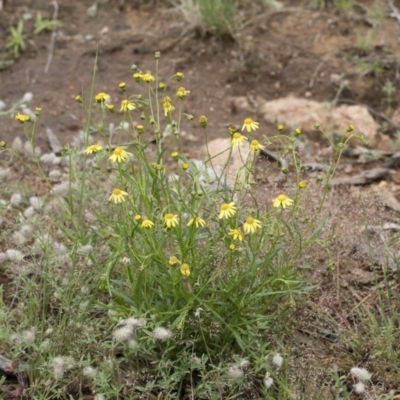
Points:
(197, 221)
(185, 269)
(171, 220)
(137, 76)
(138, 217)
(238, 139)
(255, 145)
(283, 201)
(167, 105)
(232, 247)
(302, 184)
(94, 148)
(110, 107)
(182, 92)
(236, 234)
(148, 78)
(173, 260)
(117, 196)
(185, 166)
(251, 225)
(119, 154)
(102, 97)
(127, 105)
(227, 210)
(22, 118)
(147, 223)
(249, 125)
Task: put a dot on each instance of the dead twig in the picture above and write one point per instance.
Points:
(395, 12)
(53, 38)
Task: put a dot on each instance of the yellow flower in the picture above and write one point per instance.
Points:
(101, 97)
(22, 118)
(78, 98)
(280, 127)
(182, 92)
(118, 155)
(138, 217)
(203, 121)
(174, 155)
(122, 86)
(173, 260)
(148, 78)
(185, 270)
(161, 86)
(249, 125)
(171, 220)
(110, 107)
(232, 247)
(197, 221)
(283, 201)
(238, 139)
(127, 105)
(179, 76)
(94, 148)
(251, 225)
(117, 196)
(139, 128)
(302, 184)
(255, 145)
(167, 105)
(147, 223)
(237, 235)
(297, 132)
(38, 110)
(137, 76)
(185, 166)
(158, 167)
(227, 210)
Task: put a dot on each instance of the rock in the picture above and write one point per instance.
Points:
(304, 113)
(220, 154)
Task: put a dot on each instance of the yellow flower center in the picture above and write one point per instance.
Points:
(281, 197)
(224, 207)
(237, 135)
(248, 121)
(250, 220)
(118, 151)
(125, 102)
(116, 192)
(169, 216)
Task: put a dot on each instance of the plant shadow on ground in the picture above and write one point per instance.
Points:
(350, 319)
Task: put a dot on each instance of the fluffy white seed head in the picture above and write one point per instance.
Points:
(36, 202)
(277, 361)
(28, 96)
(89, 372)
(14, 255)
(161, 333)
(28, 336)
(17, 145)
(58, 364)
(235, 372)
(359, 388)
(29, 212)
(268, 382)
(18, 238)
(16, 199)
(361, 374)
(123, 333)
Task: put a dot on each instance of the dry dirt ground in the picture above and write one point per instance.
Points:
(274, 53)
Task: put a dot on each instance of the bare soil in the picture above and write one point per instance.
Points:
(292, 51)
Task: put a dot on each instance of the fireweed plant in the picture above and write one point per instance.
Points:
(184, 274)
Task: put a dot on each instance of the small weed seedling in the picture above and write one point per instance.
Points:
(16, 42)
(45, 24)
